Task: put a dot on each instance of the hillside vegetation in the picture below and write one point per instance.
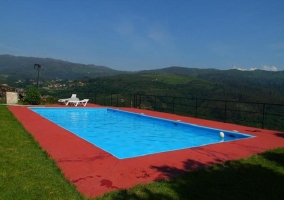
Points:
(18, 67)
(255, 86)
(237, 89)
(222, 95)
(236, 100)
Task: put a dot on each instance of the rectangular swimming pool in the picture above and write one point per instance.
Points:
(125, 134)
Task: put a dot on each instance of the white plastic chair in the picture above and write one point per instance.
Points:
(77, 102)
(73, 98)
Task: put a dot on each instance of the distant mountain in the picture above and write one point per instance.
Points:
(180, 70)
(23, 67)
(256, 76)
(18, 67)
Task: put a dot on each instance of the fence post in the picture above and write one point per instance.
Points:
(134, 100)
(111, 99)
(155, 102)
(116, 100)
(263, 115)
(196, 108)
(225, 111)
(88, 90)
(173, 105)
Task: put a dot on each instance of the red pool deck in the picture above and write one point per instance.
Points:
(95, 172)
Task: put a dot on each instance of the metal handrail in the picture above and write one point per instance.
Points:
(228, 110)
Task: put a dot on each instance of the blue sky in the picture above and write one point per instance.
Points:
(138, 35)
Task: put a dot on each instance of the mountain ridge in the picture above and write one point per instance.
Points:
(20, 67)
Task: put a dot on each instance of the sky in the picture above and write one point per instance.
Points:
(134, 35)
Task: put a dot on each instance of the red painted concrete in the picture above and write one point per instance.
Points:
(95, 171)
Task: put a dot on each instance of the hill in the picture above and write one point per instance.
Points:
(177, 85)
(259, 76)
(18, 67)
(256, 86)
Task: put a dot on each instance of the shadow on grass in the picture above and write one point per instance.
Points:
(243, 179)
(277, 158)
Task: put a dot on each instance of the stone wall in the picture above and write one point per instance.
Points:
(11, 97)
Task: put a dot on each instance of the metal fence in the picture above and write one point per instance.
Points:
(254, 114)
(262, 115)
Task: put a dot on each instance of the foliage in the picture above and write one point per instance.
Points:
(32, 96)
(2, 101)
(19, 67)
(48, 100)
(51, 100)
(184, 86)
(162, 85)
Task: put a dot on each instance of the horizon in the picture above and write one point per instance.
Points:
(60, 60)
(140, 35)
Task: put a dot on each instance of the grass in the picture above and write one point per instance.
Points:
(26, 172)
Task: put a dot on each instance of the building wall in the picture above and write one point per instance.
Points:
(11, 97)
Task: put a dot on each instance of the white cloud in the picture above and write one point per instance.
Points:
(241, 69)
(244, 69)
(268, 68)
(264, 67)
(252, 69)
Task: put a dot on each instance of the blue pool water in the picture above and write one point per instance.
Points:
(126, 135)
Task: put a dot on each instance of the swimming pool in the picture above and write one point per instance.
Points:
(125, 134)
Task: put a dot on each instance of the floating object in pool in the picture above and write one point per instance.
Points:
(176, 123)
(222, 135)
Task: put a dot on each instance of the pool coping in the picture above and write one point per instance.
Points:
(95, 172)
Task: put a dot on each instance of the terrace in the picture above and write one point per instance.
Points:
(95, 172)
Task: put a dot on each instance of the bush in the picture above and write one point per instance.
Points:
(2, 100)
(32, 96)
(49, 99)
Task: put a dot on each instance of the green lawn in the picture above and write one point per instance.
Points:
(26, 172)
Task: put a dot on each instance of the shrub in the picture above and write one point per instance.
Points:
(32, 96)
(49, 99)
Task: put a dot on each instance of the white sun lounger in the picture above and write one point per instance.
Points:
(77, 102)
(72, 98)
